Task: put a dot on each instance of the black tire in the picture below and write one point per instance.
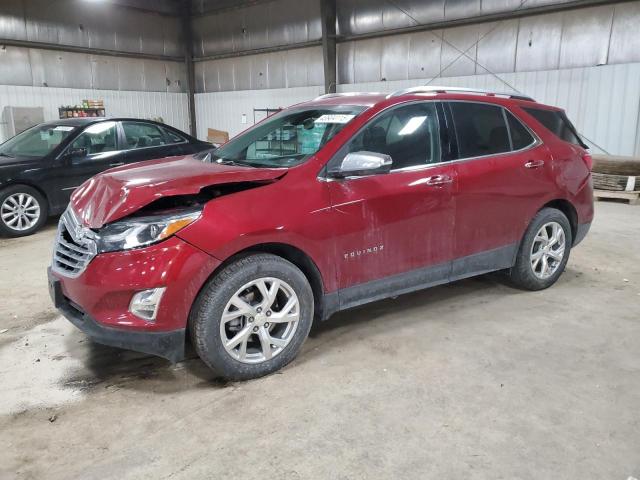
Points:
(521, 274)
(8, 230)
(206, 314)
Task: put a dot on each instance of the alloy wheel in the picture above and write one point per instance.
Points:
(260, 320)
(20, 211)
(548, 250)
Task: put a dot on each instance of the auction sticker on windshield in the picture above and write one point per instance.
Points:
(334, 118)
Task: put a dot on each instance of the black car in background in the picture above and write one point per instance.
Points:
(40, 167)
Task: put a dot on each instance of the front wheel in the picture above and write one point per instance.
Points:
(252, 317)
(544, 251)
(23, 210)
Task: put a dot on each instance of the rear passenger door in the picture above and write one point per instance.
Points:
(503, 172)
(147, 141)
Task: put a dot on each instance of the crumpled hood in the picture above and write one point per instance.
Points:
(118, 192)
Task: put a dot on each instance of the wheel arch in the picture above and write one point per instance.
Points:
(295, 255)
(566, 207)
(30, 185)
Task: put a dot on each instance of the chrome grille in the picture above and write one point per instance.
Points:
(74, 247)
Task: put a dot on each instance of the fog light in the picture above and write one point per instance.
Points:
(145, 304)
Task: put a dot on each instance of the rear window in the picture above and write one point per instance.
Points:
(556, 122)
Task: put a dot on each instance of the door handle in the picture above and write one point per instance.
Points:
(534, 164)
(437, 180)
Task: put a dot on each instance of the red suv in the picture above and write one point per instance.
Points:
(327, 205)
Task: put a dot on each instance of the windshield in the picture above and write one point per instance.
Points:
(36, 142)
(287, 138)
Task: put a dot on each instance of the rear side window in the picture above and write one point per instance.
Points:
(142, 135)
(520, 136)
(481, 129)
(173, 137)
(557, 122)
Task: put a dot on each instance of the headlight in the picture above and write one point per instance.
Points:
(141, 231)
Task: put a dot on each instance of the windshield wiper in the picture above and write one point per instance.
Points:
(2, 154)
(226, 161)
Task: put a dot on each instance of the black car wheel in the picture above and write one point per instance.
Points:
(252, 317)
(544, 251)
(23, 210)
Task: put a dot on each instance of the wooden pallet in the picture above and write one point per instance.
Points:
(632, 198)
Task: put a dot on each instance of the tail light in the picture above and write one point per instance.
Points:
(588, 160)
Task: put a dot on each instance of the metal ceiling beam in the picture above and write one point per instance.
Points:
(87, 50)
(328, 21)
(256, 51)
(187, 37)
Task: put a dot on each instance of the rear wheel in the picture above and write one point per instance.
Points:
(544, 251)
(23, 210)
(252, 318)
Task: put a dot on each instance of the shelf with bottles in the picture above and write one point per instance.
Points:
(88, 108)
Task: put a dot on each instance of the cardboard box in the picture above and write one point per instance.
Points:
(217, 137)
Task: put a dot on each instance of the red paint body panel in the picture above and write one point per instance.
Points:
(118, 192)
(488, 204)
(389, 224)
(497, 198)
(105, 288)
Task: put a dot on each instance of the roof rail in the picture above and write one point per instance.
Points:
(435, 89)
(346, 94)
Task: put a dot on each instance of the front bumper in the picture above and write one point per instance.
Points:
(169, 345)
(97, 300)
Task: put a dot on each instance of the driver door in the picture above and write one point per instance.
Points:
(394, 231)
(93, 151)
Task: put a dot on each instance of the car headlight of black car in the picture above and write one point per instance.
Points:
(141, 231)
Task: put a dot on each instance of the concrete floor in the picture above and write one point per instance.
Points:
(471, 380)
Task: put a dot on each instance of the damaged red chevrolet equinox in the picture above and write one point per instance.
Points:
(322, 207)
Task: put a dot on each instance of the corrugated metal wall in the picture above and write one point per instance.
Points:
(603, 102)
(291, 68)
(92, 24)
(263, 25)
(224, 110)
(48, 68)
(597, 35)
(172, 107)
(585, 37)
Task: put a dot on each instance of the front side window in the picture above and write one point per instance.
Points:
(408, 134)
(287, 138)
(97, 138)
(481, 129)
(37, 141)
(558, 123)
(143, 135)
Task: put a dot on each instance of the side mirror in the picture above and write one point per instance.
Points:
(359, 164)
(75, 153)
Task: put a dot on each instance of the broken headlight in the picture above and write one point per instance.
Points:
(141, 231)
